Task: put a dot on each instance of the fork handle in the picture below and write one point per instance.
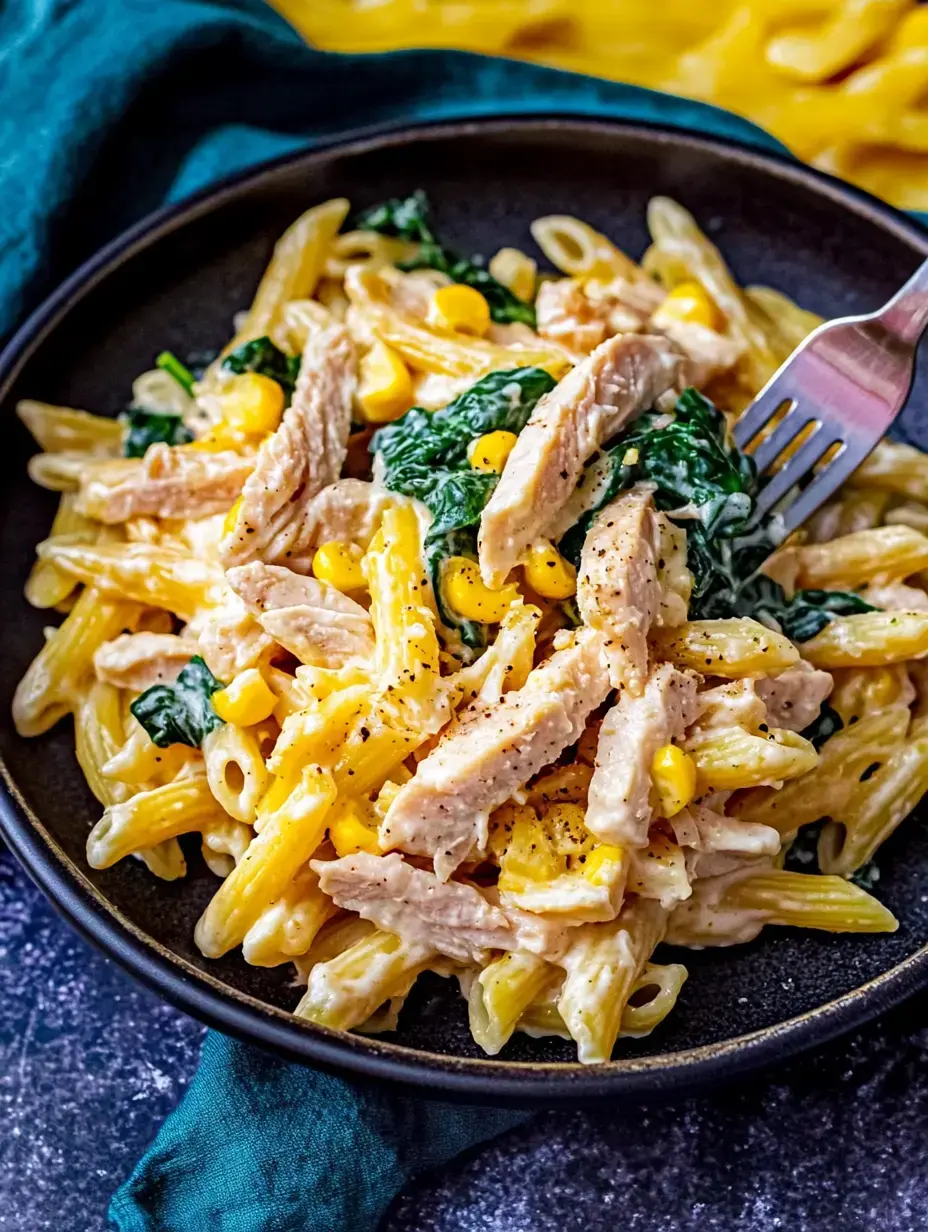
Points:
(906, 314)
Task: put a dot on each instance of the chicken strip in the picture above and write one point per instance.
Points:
(169, 482)
(137, 661)
(492, 752)
(794, 698)
(623, 377)
(301, 458)
(618, 589)
(451, 917)
(632, 731)
(311, 619)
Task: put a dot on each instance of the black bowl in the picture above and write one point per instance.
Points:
(174, 282)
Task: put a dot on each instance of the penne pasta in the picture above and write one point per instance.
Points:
(806, 901)
(884, 552)
(151, 817)
(728, 648)
(502, 993)
(235, 771)
(870, 639)
(61, 429)
(729, 757)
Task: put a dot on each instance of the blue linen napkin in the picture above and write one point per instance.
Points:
(111, 108)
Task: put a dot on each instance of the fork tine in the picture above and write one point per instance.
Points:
(762, 409)
(782, 435)
(825, 483)
(800, 464)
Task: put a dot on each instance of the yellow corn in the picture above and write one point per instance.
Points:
(489, 452)
(339, 564)
(466, 594)
(673, 773)
(689, 302)
(459, 308)
(253, 404)
(247, 700)
(385, 387)
(350, 832)
(548, 573)
(599, 866)
(516, 271)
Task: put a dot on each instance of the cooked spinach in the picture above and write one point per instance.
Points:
(425, 455)
(824, 727)
(264, 357)
(170, 364)
(802, 857)
(180, 713)
(144, 428)
(693, 467)
(407, 218)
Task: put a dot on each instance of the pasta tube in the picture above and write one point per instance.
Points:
(48, 689)
(501, 994)
(47, 586)
(729, 757)
(876, 807)
(728, 648)
(573, 247)
(345, 991)
(288, 927)
(602, 963)
(150, 817)
(826, 790)
(885, 551)
(869, 639)
(60, 429)
(287, 839)
(148, 574)
(235, 770)
(899, 468)
(808, 900)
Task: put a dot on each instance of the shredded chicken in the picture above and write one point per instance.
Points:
(622, 378)
(301, 458)
(632, 731)
(794, 698)
(229, 638)
(704, 830)
(492, 752)
(736, 703)
(454, 918)
(169, 482)
(137, 661)
(618, 591)
(311, 619)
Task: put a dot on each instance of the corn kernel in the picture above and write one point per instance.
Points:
(602, 863)
(247, 700)
(516, 271)
(252, 404)
(385, 387)
(228, 525)
(459, 308)
(339, 564)
(489, 452)
(466, 594)
(691, 303)
(673, 773)
(548, 573)
(350, 831)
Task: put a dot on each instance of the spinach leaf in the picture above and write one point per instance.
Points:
(262, 356)
(170, 364)
(824, 727)
(425, 455)
(408, 219)
(500, 400)
(180, 713)
(691, 465)
(146, 428)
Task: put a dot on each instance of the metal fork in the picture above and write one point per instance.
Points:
(850, 378)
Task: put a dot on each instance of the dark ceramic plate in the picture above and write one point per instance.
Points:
(174, 282)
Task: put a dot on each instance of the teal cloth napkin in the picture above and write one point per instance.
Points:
(111, 108)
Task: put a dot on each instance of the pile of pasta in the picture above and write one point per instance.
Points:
(254, 651)
(842, 83)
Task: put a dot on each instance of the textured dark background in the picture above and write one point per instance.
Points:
(90, 1063)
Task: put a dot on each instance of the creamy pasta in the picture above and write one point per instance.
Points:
(435, 607)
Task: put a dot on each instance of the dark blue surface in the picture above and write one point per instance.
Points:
(90, 1063)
